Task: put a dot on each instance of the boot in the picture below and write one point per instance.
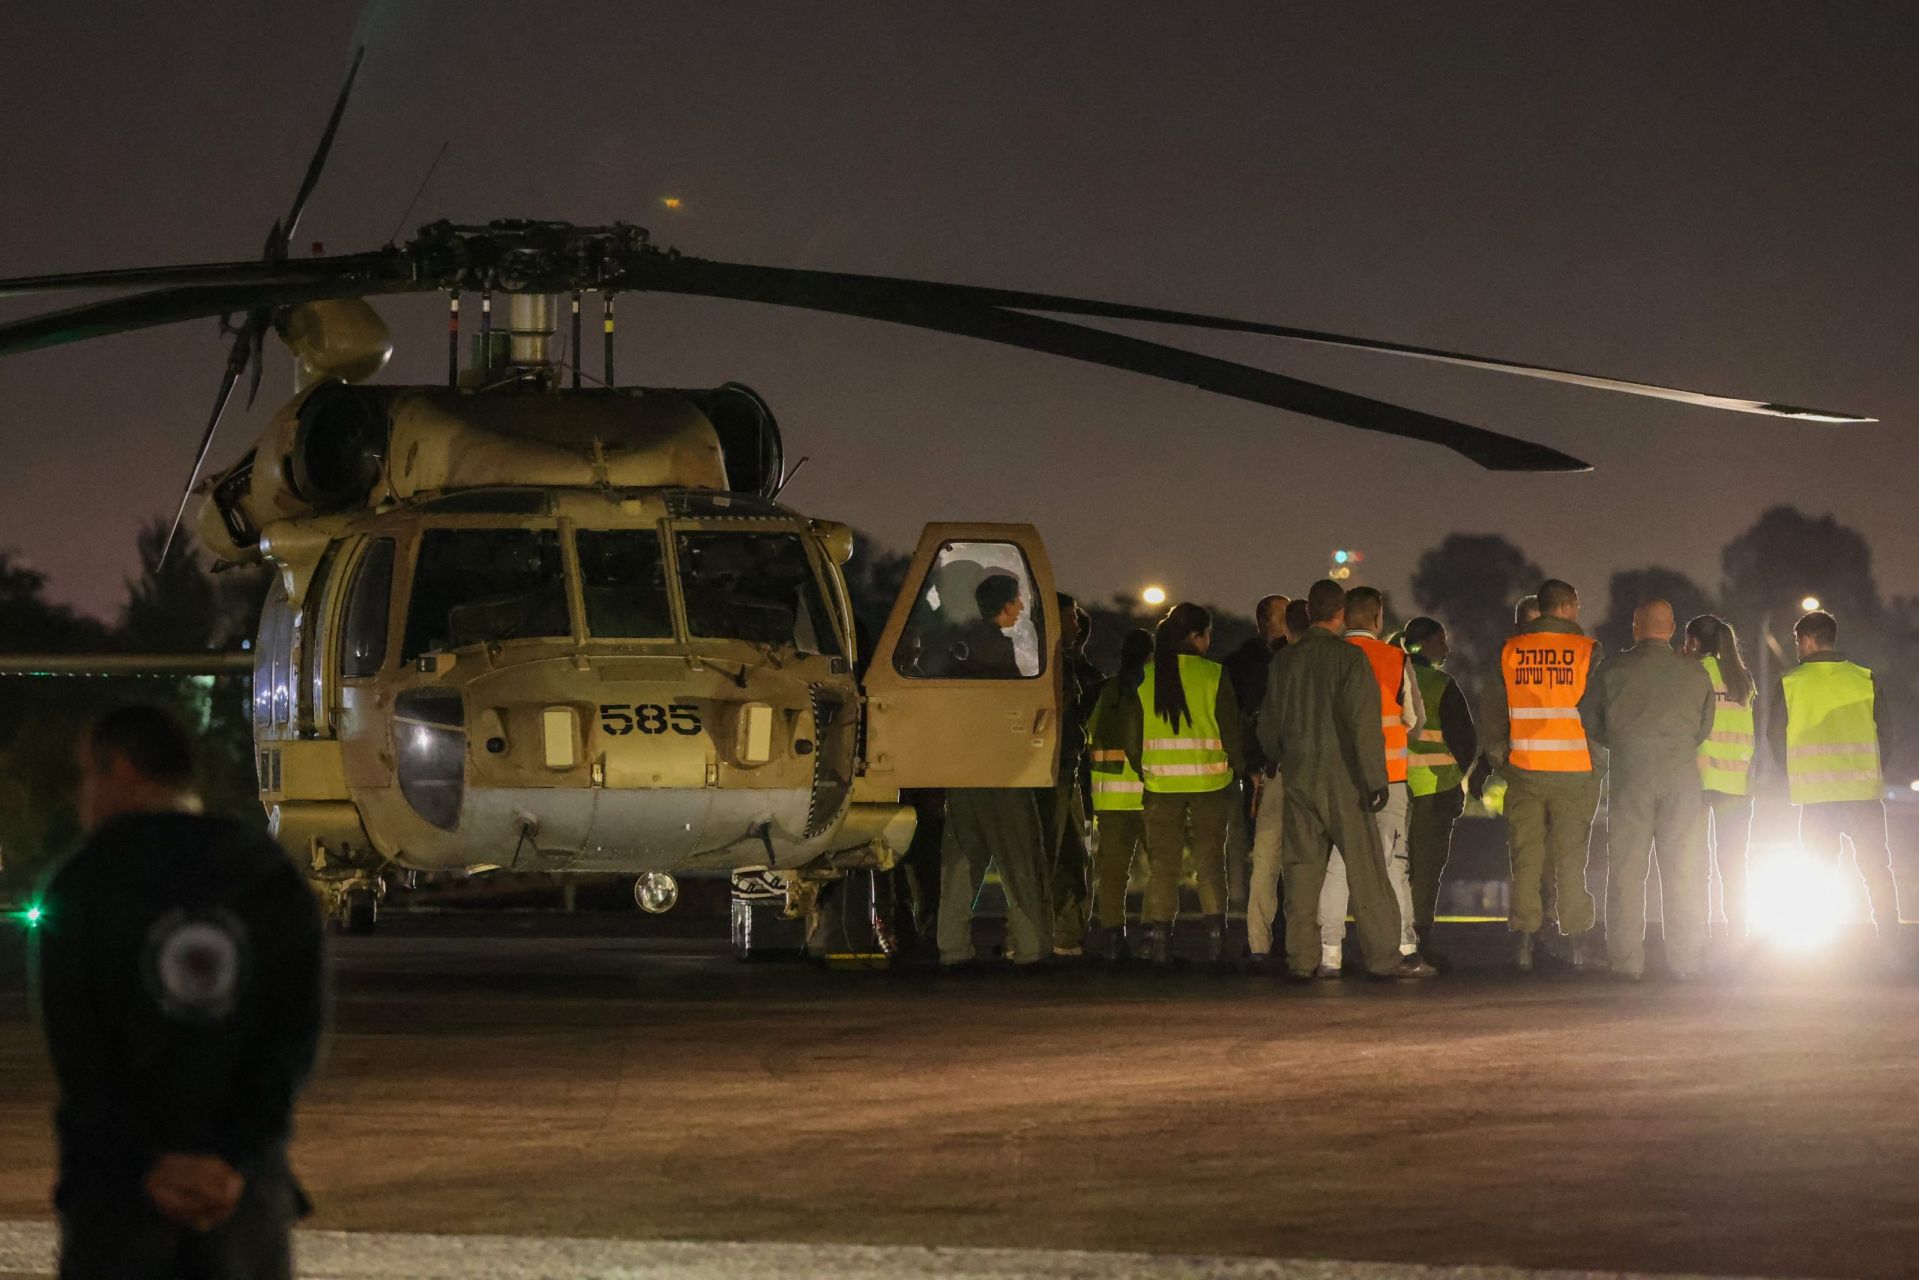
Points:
(1159, 945)
(1106, 945)
(1213, 951)
(1523, 953)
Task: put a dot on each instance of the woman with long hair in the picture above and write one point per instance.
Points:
(1189, 753)
(1725, 760)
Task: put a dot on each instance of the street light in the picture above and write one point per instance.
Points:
(1809, 605)
(1154, 596)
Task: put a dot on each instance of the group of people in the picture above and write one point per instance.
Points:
(1336, 760)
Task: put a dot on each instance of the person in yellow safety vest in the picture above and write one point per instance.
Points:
(1400, 715)
(1440, 752)
(1119, 798)
(1828, 724)
(1725, 761)
(1534, 735)
(1184, 739)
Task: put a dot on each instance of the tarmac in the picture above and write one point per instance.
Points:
(524, 1095)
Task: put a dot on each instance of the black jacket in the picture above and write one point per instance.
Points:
(1248, 667)
(180, 977)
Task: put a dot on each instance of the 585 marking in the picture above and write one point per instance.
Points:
(622, 718)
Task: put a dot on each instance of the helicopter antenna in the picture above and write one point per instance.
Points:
(788, 477)
(421, 190)
(249, 336)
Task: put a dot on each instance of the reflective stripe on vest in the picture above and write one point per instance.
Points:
(1389, 673)
(1191, 757)
(1116, 787)
(1545, 674)
(1832, 740)
(1725, 759)
(1431, 767)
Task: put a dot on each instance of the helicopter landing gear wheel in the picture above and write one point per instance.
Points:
(359, 911)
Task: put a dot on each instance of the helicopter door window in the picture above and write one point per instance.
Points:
(759, 587)
(363, 631)
(974, 618)
(623, 578)
(272, 662)
(482, 586)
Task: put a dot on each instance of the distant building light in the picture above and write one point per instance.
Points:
(671, 202)
(1154, 596)
(1340, 557)
(1810, 604)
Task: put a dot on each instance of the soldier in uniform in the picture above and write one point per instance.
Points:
(1652, 708)
(993, 825)
(179, 974)
(1533, 733)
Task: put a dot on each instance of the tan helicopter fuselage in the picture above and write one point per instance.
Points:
(548, 636)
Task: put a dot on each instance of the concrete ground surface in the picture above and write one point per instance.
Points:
(514, 1079)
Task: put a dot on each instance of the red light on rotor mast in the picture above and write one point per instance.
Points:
(319, 248)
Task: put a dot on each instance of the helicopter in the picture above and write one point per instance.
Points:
(520, 622)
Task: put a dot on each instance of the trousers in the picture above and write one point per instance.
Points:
(1067, 861)
(119, 1235)
(1314, 823)
(1429, 844)
(1118, 836)
(1822, 828)
(1728, 832)
(999, 827)
(1173, 819)
(1262, 891)
(1549, 820)
(1334, 896)
(1656, 813)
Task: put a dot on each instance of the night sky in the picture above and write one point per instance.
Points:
(1719, 196)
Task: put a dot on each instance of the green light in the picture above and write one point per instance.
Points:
(1339, 557)
(32, 916)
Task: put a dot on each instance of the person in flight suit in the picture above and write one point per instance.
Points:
(1652, 708)
(179, 975)
(993, 825)
(1321, 724)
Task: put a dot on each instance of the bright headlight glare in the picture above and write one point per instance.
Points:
(1795, 900)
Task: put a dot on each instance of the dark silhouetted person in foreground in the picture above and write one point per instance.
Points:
(179, 972)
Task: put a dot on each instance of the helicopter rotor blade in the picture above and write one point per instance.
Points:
(257, 274)
(237, 360)
(170, 306)
(1097, 346)
(804, 283)
(283, 231)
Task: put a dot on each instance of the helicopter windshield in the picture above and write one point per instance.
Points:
(753, 586)
(623, 579)
(477, 586)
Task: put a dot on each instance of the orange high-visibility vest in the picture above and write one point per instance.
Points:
(1545, 674)
(1389, 669)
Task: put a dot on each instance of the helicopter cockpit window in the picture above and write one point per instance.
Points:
(754, 586)
(479, 586)
(623, 578)
(363, 630)
(975, 618)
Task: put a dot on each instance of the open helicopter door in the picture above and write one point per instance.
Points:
(957, 699)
